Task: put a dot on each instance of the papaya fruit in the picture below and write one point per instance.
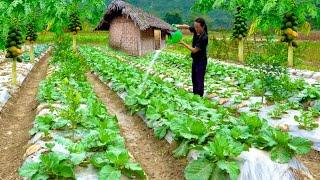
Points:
(289, 24)
(13, 43)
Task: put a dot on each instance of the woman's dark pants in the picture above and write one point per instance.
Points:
(198, 73)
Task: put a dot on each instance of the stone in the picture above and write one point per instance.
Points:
(316, 76)
(44, 112)
(31, 150)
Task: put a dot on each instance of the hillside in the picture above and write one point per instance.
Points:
(216, 19)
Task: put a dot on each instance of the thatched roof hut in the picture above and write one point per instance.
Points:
(133, 30)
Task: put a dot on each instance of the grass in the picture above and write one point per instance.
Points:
(221, 47)
(307, 55)
(100, 37)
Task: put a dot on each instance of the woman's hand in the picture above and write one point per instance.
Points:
(193, 50)
(182, 26)
(182, 42)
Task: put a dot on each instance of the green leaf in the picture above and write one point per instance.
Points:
(110, 173)
(143, 101)
(134, 170)
(29, 169)
(232, 168)
(60, 123)
(240, 132)
(77, 158)
(160, 132)
(182, 150)
(64, 169)
(118, 156)
(50, 145)
(219, 174)
(281, 137)
(99, 159)
(198, 170)
(219, 147)
(130, 101)
(40, 176)
(152, 114)
(281, 154)
(300, 145)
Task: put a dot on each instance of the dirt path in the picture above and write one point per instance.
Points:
(312, 162)
(154, 155)
(16, 120)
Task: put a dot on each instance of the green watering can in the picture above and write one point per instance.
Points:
(174, 36)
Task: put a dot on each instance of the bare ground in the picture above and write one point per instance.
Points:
(16, 120)
(154, 155)
(312, 162)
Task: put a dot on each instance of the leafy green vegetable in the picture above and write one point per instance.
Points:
(198, 170)
(109, 172)
(306, 121)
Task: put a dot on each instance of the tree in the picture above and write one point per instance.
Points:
(13, 45)
(265, 14)
(240, 30)
(290, 29)
(74, 27)
(54, 15)
(31, 37)
(173, 18)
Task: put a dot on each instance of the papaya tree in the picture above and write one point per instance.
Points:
(74, 27)
(289, 34)
(31, 37)
(265, 15)
(14, 49)
(240, 30)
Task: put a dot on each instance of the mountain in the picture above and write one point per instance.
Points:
(216, 19)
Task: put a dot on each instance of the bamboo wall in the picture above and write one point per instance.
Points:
(124, 35)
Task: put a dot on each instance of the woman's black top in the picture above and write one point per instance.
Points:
(200, 42)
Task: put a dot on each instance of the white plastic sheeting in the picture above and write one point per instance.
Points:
(6, 88)
(288, 119)
(257, 165)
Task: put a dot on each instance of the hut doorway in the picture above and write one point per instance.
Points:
(157, 38)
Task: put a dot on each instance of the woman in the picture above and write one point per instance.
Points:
(198, 53)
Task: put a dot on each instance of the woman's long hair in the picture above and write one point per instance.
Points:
(202, 23)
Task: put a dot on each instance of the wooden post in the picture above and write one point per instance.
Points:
(240, 53)
(290, 55)
(14, 71)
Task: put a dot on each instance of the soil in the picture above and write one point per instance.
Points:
(153, 154)
(312, 162)
(16, 120)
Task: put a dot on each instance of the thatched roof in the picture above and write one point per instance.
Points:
(142, 19)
